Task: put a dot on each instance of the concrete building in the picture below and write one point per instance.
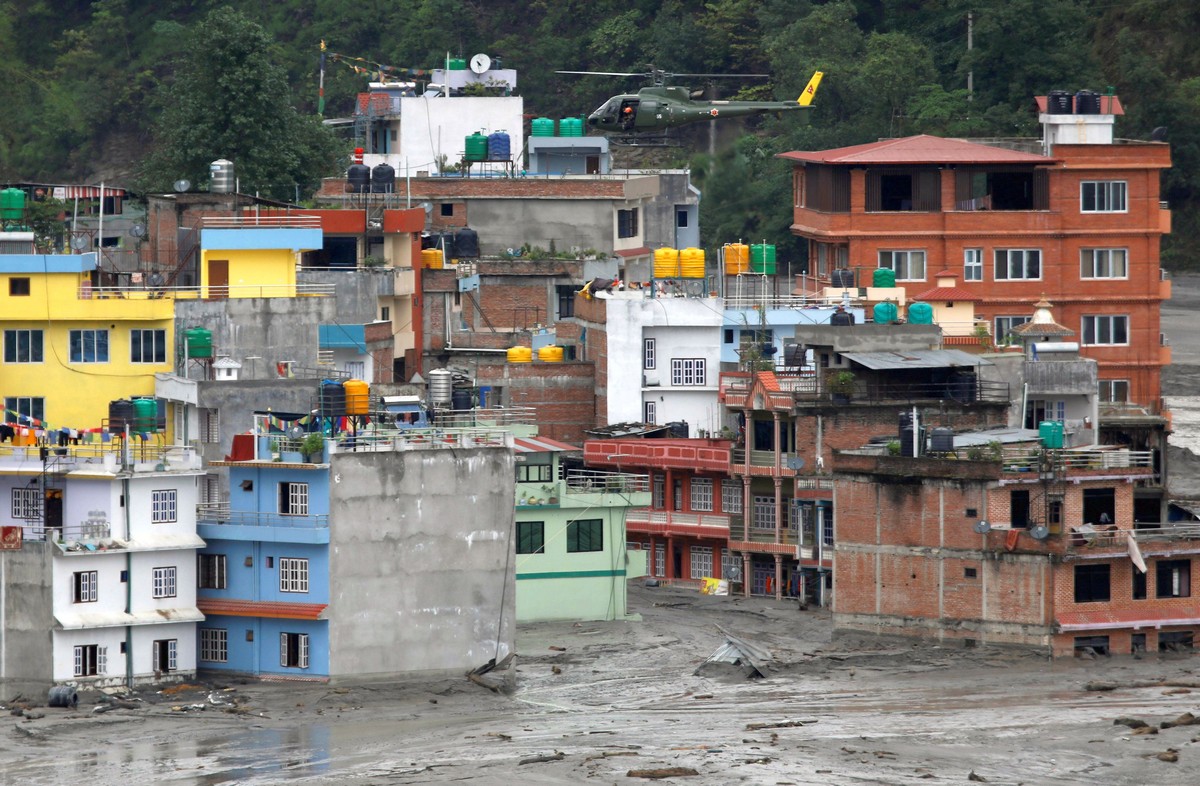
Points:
(323, 570)
(98, 566)
(572, 562)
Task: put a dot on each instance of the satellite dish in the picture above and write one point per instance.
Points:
(138, 230)
(1159, 134)
(1040, 532)
(481, 63)
(182, 185)
(427, 207)
(795, 463)
(982, 527)
(79, 242)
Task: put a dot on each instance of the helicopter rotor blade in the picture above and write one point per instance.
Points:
(602, 73)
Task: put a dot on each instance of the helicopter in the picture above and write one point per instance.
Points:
(662, 107)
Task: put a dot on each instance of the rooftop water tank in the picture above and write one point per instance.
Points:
(920, 314)
(466, 242)
(331, 399)
(550, 354)
(458, 64)
(221, 172)
(883, 277)
(476, 147)
(884, 313)
(1087, 102)
(691, 263)
(441, 384)
(762, 258)
(120, 415)
(198, 342)
(841, 277)
(12, 204)
(841, 318)
(737, 259)
(941, 440)
(519, 355)
(570, 126)
(499, 146)
(145, 414)
(431, 259)
(1058, 102)
(461, 399)
(358, 397)
(358, 177)
(542, 126)
(666, 262)
(1051, 434)
(383, 179)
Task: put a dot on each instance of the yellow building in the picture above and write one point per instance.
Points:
(68, 348)
(254, 256)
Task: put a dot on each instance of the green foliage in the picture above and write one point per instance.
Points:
(313, 444)
(45, 219)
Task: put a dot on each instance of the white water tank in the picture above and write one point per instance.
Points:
(222, 177)
(441, 387)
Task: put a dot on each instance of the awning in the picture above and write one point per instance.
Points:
(115, 619)
(541, 445)
(342, 337)
(262, 608)
(916, 358)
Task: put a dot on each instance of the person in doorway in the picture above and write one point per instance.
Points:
(627, 117)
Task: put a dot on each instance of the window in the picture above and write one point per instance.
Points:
(147, 346)
(649, 412)
(970, 573)
(1102, 196)
(1004, 326)
(163, 506)
(1018, 263)
(1105, 330)
(701, 561)
(687, 371)
(164, 582)
(1091, 645)
(826, 525)
(1114, 391)
(531, 537)
(214, 645)
(1173, 578)
(1018, 509)
(1138, 591)
(1103, 263)
(211, 571)
(702, 493)
(627, 222)
(165, 655)
(385, 314)
(648, 353)
(566, 301)
(447, 209)
(907, 265)
(84, 586)
(585, 535)
(27, 503)
(89, 346)
(731, 496)
(763, 514)
(22, 346)
(210, 426)
(535, 473)
(293, 650)
(972, 264)
(1175, 641)
(91, 660)
(658, 492)
(293, 499)
(18, 287)
(1091, 583)
(293, 574)
(681, 219)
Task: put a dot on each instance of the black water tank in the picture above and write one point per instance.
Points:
(359, 178)
(841, 318)
(445, 241)
(842, 277)
(941, 440)
(1087, 102)
(1058, 102)
(460, 398)
(678, 428)
(120, 415)
(332, 399)
(383, 179)
(466, 242)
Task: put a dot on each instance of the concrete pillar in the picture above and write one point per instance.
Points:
(746, 577)
(669, 558)
(778, 577)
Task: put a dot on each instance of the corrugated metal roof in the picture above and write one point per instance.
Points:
(541, 445)
(262, 608)
(916, 358)
(920, 149)
(342, 337)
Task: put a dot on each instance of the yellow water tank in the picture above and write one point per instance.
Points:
(737, 259)
(431, 258)
(551, 354)
(358, 397)
(666, 262)
(691, 263)
(520, 355)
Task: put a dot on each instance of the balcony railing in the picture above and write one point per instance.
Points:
(254, 221)
(1105, 538)
(763, 458)
(590, 481)
(219, 513)
(1039, 460)
(716, 521)
(473, 418)
(87, 292)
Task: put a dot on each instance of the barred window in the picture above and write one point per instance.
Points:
(702, 494)
(164, 582)
(731, 496)
(26, 503)
(164, 506)
(658, 492)
(293, 574)
(214, 645)
(763, 515)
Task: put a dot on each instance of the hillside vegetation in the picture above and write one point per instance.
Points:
(92, 89)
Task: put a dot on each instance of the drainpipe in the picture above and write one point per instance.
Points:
(128, 585)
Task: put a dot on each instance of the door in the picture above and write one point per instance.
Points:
(592, 165)
(218, 279)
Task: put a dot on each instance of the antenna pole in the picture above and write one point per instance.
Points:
(321, 83)
(970, 46)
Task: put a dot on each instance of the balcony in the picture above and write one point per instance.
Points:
(761, 540)
(129, 294)
(584, 488)
(1103, 541)
(762, 463)
(218, 521)
(673, 522)
(697, 455)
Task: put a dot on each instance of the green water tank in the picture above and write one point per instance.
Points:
(199, 342)
(883, 277)
(1051, 434)
(477, 147)
(542, 126)
(570, 126)
(12, 204)
(884, 313)
(762, 258)
(458, 64)
(145, 414)
(920, 314)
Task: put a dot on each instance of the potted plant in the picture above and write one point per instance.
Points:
(313, 447)
(274, 448)
(841, 386)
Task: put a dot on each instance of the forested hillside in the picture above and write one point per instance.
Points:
(91, 89)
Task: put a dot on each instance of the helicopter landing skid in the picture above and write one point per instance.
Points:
(644, 140)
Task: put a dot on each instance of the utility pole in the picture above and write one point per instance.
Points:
(970, 46)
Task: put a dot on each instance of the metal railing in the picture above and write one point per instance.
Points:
(651, 516)
(469, 418)
(1035, 459)
(590, 481)
(87, 292)
(219, 513)
(1106, 538)
(261, 221)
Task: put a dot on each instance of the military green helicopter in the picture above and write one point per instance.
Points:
(661, 107)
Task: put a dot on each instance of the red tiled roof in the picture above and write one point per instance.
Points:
(921, 149)
(261, 608)
(963, 294)
(640, 251)
(769, 381)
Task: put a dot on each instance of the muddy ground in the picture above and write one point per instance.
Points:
(594, 701)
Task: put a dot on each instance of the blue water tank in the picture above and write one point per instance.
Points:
(499, 146)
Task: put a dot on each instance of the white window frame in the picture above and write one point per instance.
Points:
(1101, 328)
(218, 571)
(903, 262)
(100, 661)
(648, 353)
(762, 514)
(293, 574)
(658, 491)
(214, 645)
(85, 586)
(1103, 263)
(731, 495)
(297, 499)
(701, 492)
(1015, 264)
(972, 264)
(164, 506)
(301, 650)
(137, 346)
(700, 561)
(650, 412)
(1104, 196)
(210, 426)
(1109, 389)
(164, 582)
(688, 372)
(26, 503)
(87, 339)
(172, 653)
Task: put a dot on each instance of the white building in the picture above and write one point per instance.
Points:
(106, 565)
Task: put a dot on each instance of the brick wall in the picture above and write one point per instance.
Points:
(560, 393)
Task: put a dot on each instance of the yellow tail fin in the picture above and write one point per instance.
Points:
(806, 97)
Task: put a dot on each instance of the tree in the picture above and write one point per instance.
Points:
(230, 99)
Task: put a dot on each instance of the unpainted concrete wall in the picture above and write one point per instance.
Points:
(26, 617)
(356, 292)
(510, 223)
(421, 561)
